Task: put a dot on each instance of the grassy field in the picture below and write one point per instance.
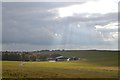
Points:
(101, 64)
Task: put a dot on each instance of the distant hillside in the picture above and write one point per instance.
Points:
(99, 57)
(109, 58)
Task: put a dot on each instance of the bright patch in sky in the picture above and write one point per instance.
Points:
(101, 7)
(78, 25)
(108, 26)
(108, 36)
(111, 36)
(58, 36)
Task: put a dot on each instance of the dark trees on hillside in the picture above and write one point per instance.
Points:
(12, 57)
(27, 56)
(32, 58)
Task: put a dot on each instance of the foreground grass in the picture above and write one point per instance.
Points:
(93, 64)
(72, 69)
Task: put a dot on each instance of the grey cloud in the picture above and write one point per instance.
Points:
(100, 19)
(36, 5)
(32, 23)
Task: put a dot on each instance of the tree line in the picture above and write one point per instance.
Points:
(26, 56)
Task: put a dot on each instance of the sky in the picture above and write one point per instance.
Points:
(83, 25)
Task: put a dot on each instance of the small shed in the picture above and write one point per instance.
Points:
(61, 58)
(52, 59)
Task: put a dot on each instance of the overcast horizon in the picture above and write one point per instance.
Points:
(85, 25)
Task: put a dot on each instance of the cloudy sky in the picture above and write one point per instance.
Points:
(87, 24)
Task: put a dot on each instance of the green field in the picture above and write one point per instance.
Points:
(93, 64)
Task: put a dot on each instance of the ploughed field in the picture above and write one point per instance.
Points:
(92, 64)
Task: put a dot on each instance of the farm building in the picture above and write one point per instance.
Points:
(52, 59)
(62, 58)
(55, 57)
(74, 58)
(59, 58)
